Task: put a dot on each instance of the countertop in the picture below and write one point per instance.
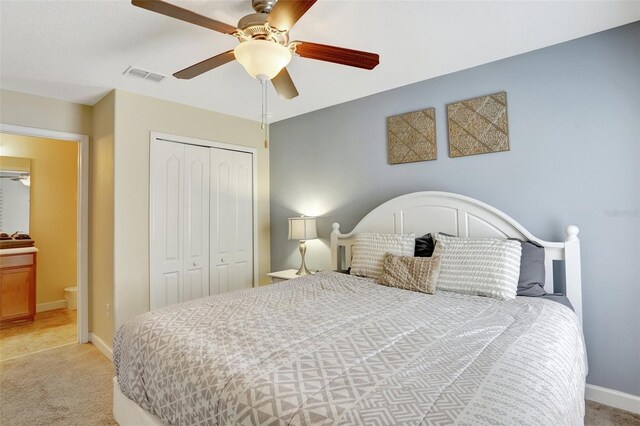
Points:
(18, 250)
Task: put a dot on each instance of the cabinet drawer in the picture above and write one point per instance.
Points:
(14, 260)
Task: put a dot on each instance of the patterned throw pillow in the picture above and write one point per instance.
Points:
(369, 250)
(480, 266)
(410, 273)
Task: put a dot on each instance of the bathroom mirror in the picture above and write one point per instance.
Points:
(15, 194)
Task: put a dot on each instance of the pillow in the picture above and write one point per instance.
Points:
(370, 248)
(410, 273)
(424, 246)
(480, 266)
(532, 270)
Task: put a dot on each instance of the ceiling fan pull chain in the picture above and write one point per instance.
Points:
(263, 119)
(266, 106)
(262, 105)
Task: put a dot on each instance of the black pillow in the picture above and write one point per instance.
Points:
(424, 246)
(532, 271)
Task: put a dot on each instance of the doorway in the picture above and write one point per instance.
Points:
(58, 224)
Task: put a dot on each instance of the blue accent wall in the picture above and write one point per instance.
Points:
(574, 129)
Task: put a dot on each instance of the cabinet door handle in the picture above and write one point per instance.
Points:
(222, 259)
(195, 264)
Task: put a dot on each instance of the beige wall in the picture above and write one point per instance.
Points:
(101, 201)
(119, 126)
(53, 209)
(14, 163)
(21, 109)
(136, 117)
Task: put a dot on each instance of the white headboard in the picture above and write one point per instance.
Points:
(429, 211)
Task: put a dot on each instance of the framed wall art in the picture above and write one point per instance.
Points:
(478, 126)
(411, 137)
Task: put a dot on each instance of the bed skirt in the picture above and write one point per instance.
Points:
(128, 413)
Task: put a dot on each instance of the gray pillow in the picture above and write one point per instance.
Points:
(532, 271)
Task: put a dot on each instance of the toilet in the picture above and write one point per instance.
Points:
(71, 295)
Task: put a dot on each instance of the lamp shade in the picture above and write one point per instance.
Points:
(302, 228)
(261, 58)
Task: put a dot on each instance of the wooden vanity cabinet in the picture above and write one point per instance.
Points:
(17, 288)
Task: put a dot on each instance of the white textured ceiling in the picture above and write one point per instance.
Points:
(78, 50)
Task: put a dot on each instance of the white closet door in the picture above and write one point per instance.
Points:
(196, 224)
(231, 220)
(167, 223)
(179, 243)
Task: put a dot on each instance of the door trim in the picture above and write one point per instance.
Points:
(221, 145)
(82, 253)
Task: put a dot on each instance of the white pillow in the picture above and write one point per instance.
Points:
(370, 248)
(479, 266)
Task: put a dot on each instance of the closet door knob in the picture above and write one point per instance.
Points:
(195, 264)
(222, 259)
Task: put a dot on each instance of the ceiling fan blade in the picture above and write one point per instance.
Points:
(284, 85)
(206, 65)
(338, 55)
(286, 13)
(177, 12)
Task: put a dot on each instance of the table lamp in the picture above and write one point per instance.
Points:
(302, 228)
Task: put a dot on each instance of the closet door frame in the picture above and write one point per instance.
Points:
(221, 145)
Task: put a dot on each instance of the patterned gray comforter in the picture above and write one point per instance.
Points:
(337, 349)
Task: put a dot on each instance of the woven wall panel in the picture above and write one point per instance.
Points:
(412, 137)
(478, 125)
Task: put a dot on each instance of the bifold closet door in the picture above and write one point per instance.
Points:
(231, 220)
(196, 231)
(179, 240)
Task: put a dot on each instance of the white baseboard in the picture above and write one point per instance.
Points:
(101, 346)
(613, 398)
(50, 306)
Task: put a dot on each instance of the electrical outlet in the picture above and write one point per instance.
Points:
(107, 311)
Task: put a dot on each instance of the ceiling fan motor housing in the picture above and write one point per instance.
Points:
(255, 27)
(263, 6)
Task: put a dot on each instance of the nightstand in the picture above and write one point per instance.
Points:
(287, 274)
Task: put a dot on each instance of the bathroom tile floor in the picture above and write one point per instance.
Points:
(49, 330)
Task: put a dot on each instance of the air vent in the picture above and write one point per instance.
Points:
(155, 77)
(147, 75)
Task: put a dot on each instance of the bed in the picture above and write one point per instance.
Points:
(334, 348)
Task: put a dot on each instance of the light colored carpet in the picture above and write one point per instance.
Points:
(66, 386)
(72, 385)
(603, 415)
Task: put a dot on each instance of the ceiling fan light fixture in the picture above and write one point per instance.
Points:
(261, 58)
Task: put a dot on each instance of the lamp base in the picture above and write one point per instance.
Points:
(303, 268)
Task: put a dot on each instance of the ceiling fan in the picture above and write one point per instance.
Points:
(264, 50)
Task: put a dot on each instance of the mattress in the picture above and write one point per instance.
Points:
(338, 349)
